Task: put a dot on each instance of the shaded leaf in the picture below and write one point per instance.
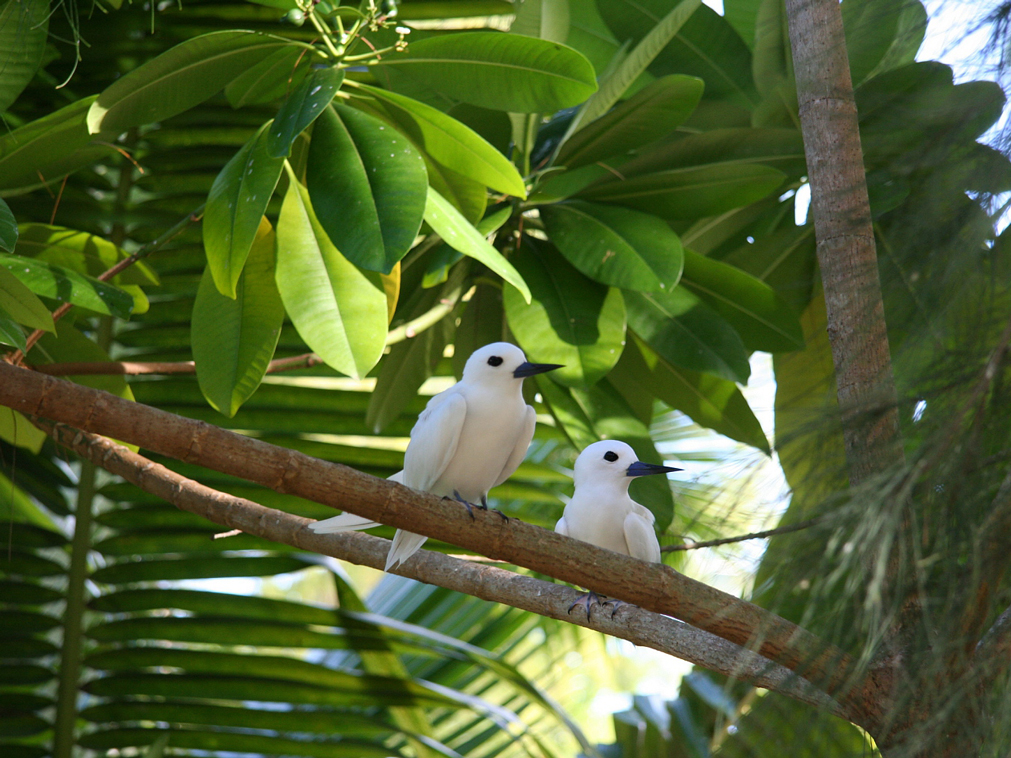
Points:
(10, 333)
(269, 79)
(81, 252)
(570, 319)
(303, 106)
(8, 228)
(68, 286)
(24, 27)
(545, 19)
(234, 339)
(21, 304)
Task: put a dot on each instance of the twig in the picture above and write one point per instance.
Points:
(17, 356)
(753, 536)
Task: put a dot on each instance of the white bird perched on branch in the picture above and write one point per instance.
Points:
(601, 512)
(469, 438)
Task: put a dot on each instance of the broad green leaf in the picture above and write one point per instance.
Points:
(81, 252)
(466, 195)
(235, 206)
(544, 19)
(600, 412)
(10, 332)
(339, 310)
(461, 235)
(68, 286)
(909, 33)
(47, 149)
(269, 79)
(443, 258)
(687, 332)
(21, 304)
(303, 106)
(482, 322)
(742, 15)
(201, 602)
(706, 46)
(785, 260)
(570, 320)
(206, 567)
(234, 339)
(562, 184)
(688, 193)
(8, 228)
(18, 430)
(616, 246)
(708, 400)
(635, 63)
(871, 27)
(499, 71)
(763, 318)
(451, 143)
(367, 184)
(24, 26)
(653, 112)
(179, 78)
(771, 62)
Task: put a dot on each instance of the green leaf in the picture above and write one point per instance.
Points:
(81, 252)
(635, 63)
(339, 310)
(763, 318)
(21, 304)
(45, 150)
(688, 193)
(544, 19)
(68, 286)
(130, 572)
(466, 195)
(461, 235)
(785, 260)
(653, 112)
(499, 71)
(708, 400)
(742, 15)
(482, 322)
(269, 79)
(69, 345)
(772, 62)
(24, 26)
(570, 319)
(686, 332)
(909, 33)
(367, 184)
(8, 228)
(706, 46)
(451, 143)
(615, 246)
(303, 106)
(235, 205)
(179, 78)
(562, 184)
(10, 332)
(234, 339)
(871, 27)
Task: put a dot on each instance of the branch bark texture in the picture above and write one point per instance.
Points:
(845, 238)
(653, 587)
(487, 582)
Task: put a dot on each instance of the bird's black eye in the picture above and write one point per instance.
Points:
(610, 456)
(495, 361)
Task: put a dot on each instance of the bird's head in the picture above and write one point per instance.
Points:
(501, 363)
(614, 463)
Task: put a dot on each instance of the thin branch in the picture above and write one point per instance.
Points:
(753, 536)
(17, 356)
(489, 583)
(652, 586)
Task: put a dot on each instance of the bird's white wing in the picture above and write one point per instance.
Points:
(640, 538)
(434, 440)
(349, 522)
(561, 527)
(520, 448)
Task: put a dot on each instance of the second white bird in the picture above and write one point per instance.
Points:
(469, 438)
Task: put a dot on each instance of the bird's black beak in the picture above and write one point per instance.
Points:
(646, 469)
(531, 369)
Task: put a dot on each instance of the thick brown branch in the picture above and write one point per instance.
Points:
(133, 368)
(489, 583)
(652, 586)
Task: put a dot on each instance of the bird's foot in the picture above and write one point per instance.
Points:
(586, 601)
(615, 605)
(484, 507)
(469, 506)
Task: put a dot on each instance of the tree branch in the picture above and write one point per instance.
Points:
(654, 587)
(753, 536)
(486, 582)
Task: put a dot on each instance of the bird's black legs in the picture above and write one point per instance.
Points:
(588, 600)
(471, 506)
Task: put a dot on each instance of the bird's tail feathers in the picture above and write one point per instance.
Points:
(405, 544)
(346, 522)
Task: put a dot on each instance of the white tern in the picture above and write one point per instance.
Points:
(469, 438)
(601, 512)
